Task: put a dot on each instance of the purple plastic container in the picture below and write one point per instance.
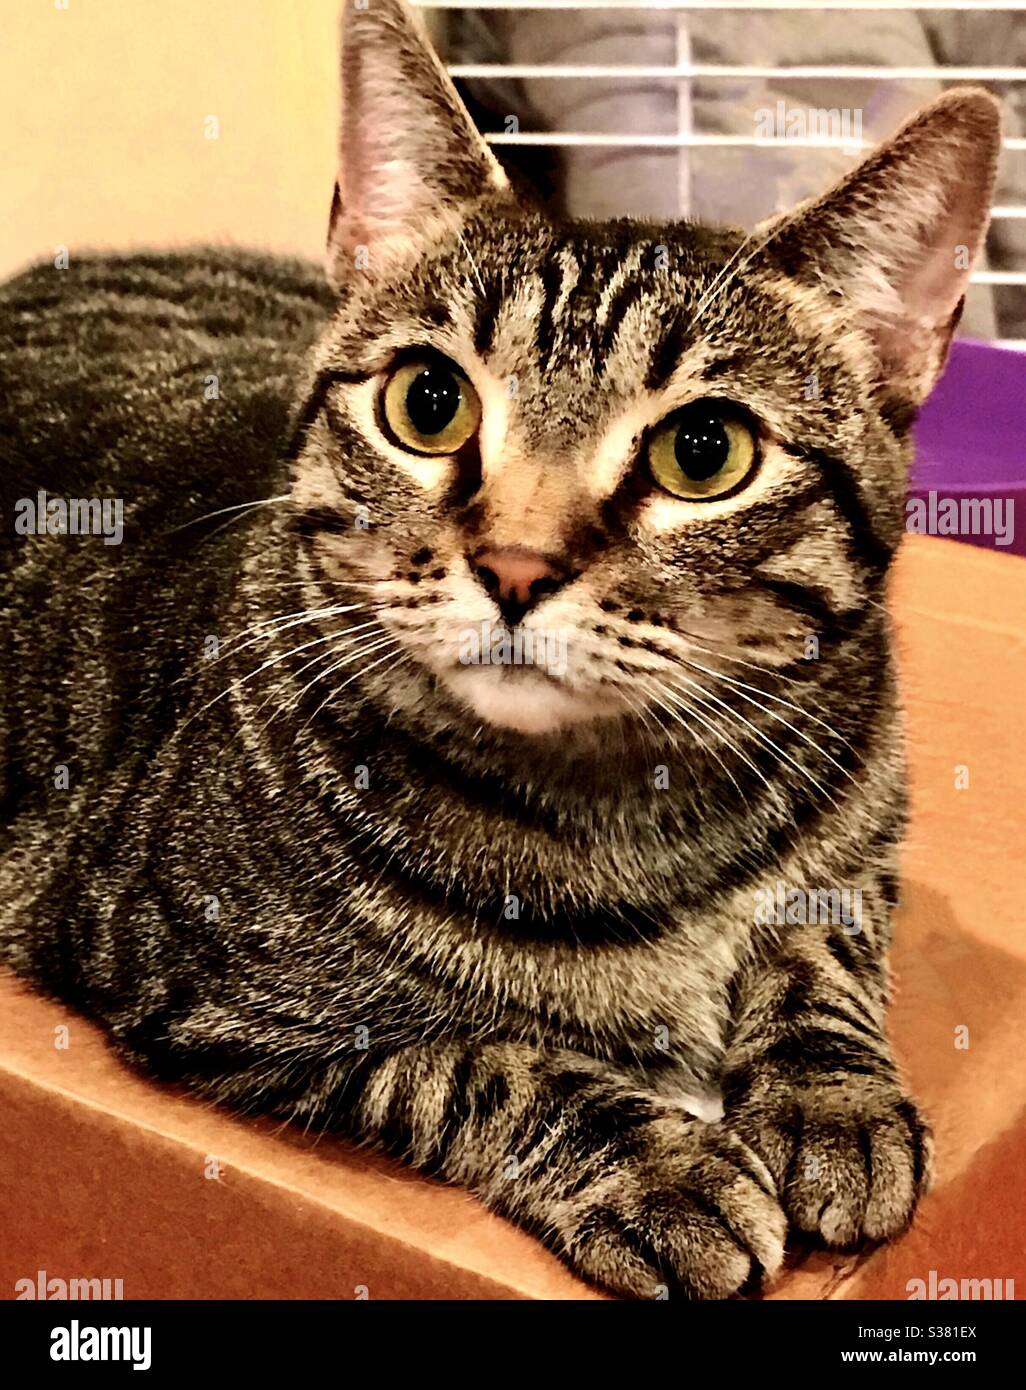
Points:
(970, 466)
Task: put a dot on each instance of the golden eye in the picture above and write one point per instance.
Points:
(430, 406)
(703, 451)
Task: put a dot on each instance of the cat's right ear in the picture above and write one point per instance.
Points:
(895, 241)
(409, 155)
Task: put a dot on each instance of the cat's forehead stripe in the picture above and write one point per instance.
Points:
(571, 268)
(584, 290)
(551, 277)
(619, 288)
(668, 351)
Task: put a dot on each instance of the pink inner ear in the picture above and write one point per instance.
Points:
(898, 236)
(408, 151)
(379, 198)
(932, 291)
(938, 282)
(383, 201)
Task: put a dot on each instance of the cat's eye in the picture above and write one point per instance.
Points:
(429, 406)
(702, 451)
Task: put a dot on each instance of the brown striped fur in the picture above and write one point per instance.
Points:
(499, 924)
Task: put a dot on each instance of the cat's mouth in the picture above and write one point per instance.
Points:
(527, 699)
(526, 678)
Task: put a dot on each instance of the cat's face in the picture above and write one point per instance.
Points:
(576, 471)
(632, 469)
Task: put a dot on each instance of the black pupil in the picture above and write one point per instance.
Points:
(702, 446)
(432, 400)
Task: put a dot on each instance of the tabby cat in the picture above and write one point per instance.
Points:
(278, 809)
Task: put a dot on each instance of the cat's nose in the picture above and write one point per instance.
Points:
(517, 579)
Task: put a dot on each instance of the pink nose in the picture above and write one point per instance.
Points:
(516, 578)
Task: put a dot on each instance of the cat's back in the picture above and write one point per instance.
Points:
(165, 379)
(136, 394)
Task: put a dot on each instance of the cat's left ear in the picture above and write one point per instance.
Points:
(894, 242)
(408, 152)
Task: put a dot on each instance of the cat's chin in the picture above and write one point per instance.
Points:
(524, 701)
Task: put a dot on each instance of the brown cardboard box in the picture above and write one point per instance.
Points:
(104, 1175)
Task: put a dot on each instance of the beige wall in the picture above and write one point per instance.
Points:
(102, 109)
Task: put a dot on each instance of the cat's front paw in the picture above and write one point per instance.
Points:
(851, 1155)
(694, 1215)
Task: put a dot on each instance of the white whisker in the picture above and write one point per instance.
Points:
(770, 743)
(741, 686)
(674, 695)
(328, 698)
(244, 680)
(320, 614)
(337, 649)
(473, 263)
(678, 718)
(238, 507)
(321, 656)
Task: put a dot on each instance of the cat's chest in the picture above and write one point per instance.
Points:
(658, 1005)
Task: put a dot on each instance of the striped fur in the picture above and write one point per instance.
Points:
(302, 869)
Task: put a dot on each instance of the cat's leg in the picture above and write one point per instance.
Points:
(632, 1191)
(811, 1084)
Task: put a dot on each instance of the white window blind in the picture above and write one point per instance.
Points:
(472, 34)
